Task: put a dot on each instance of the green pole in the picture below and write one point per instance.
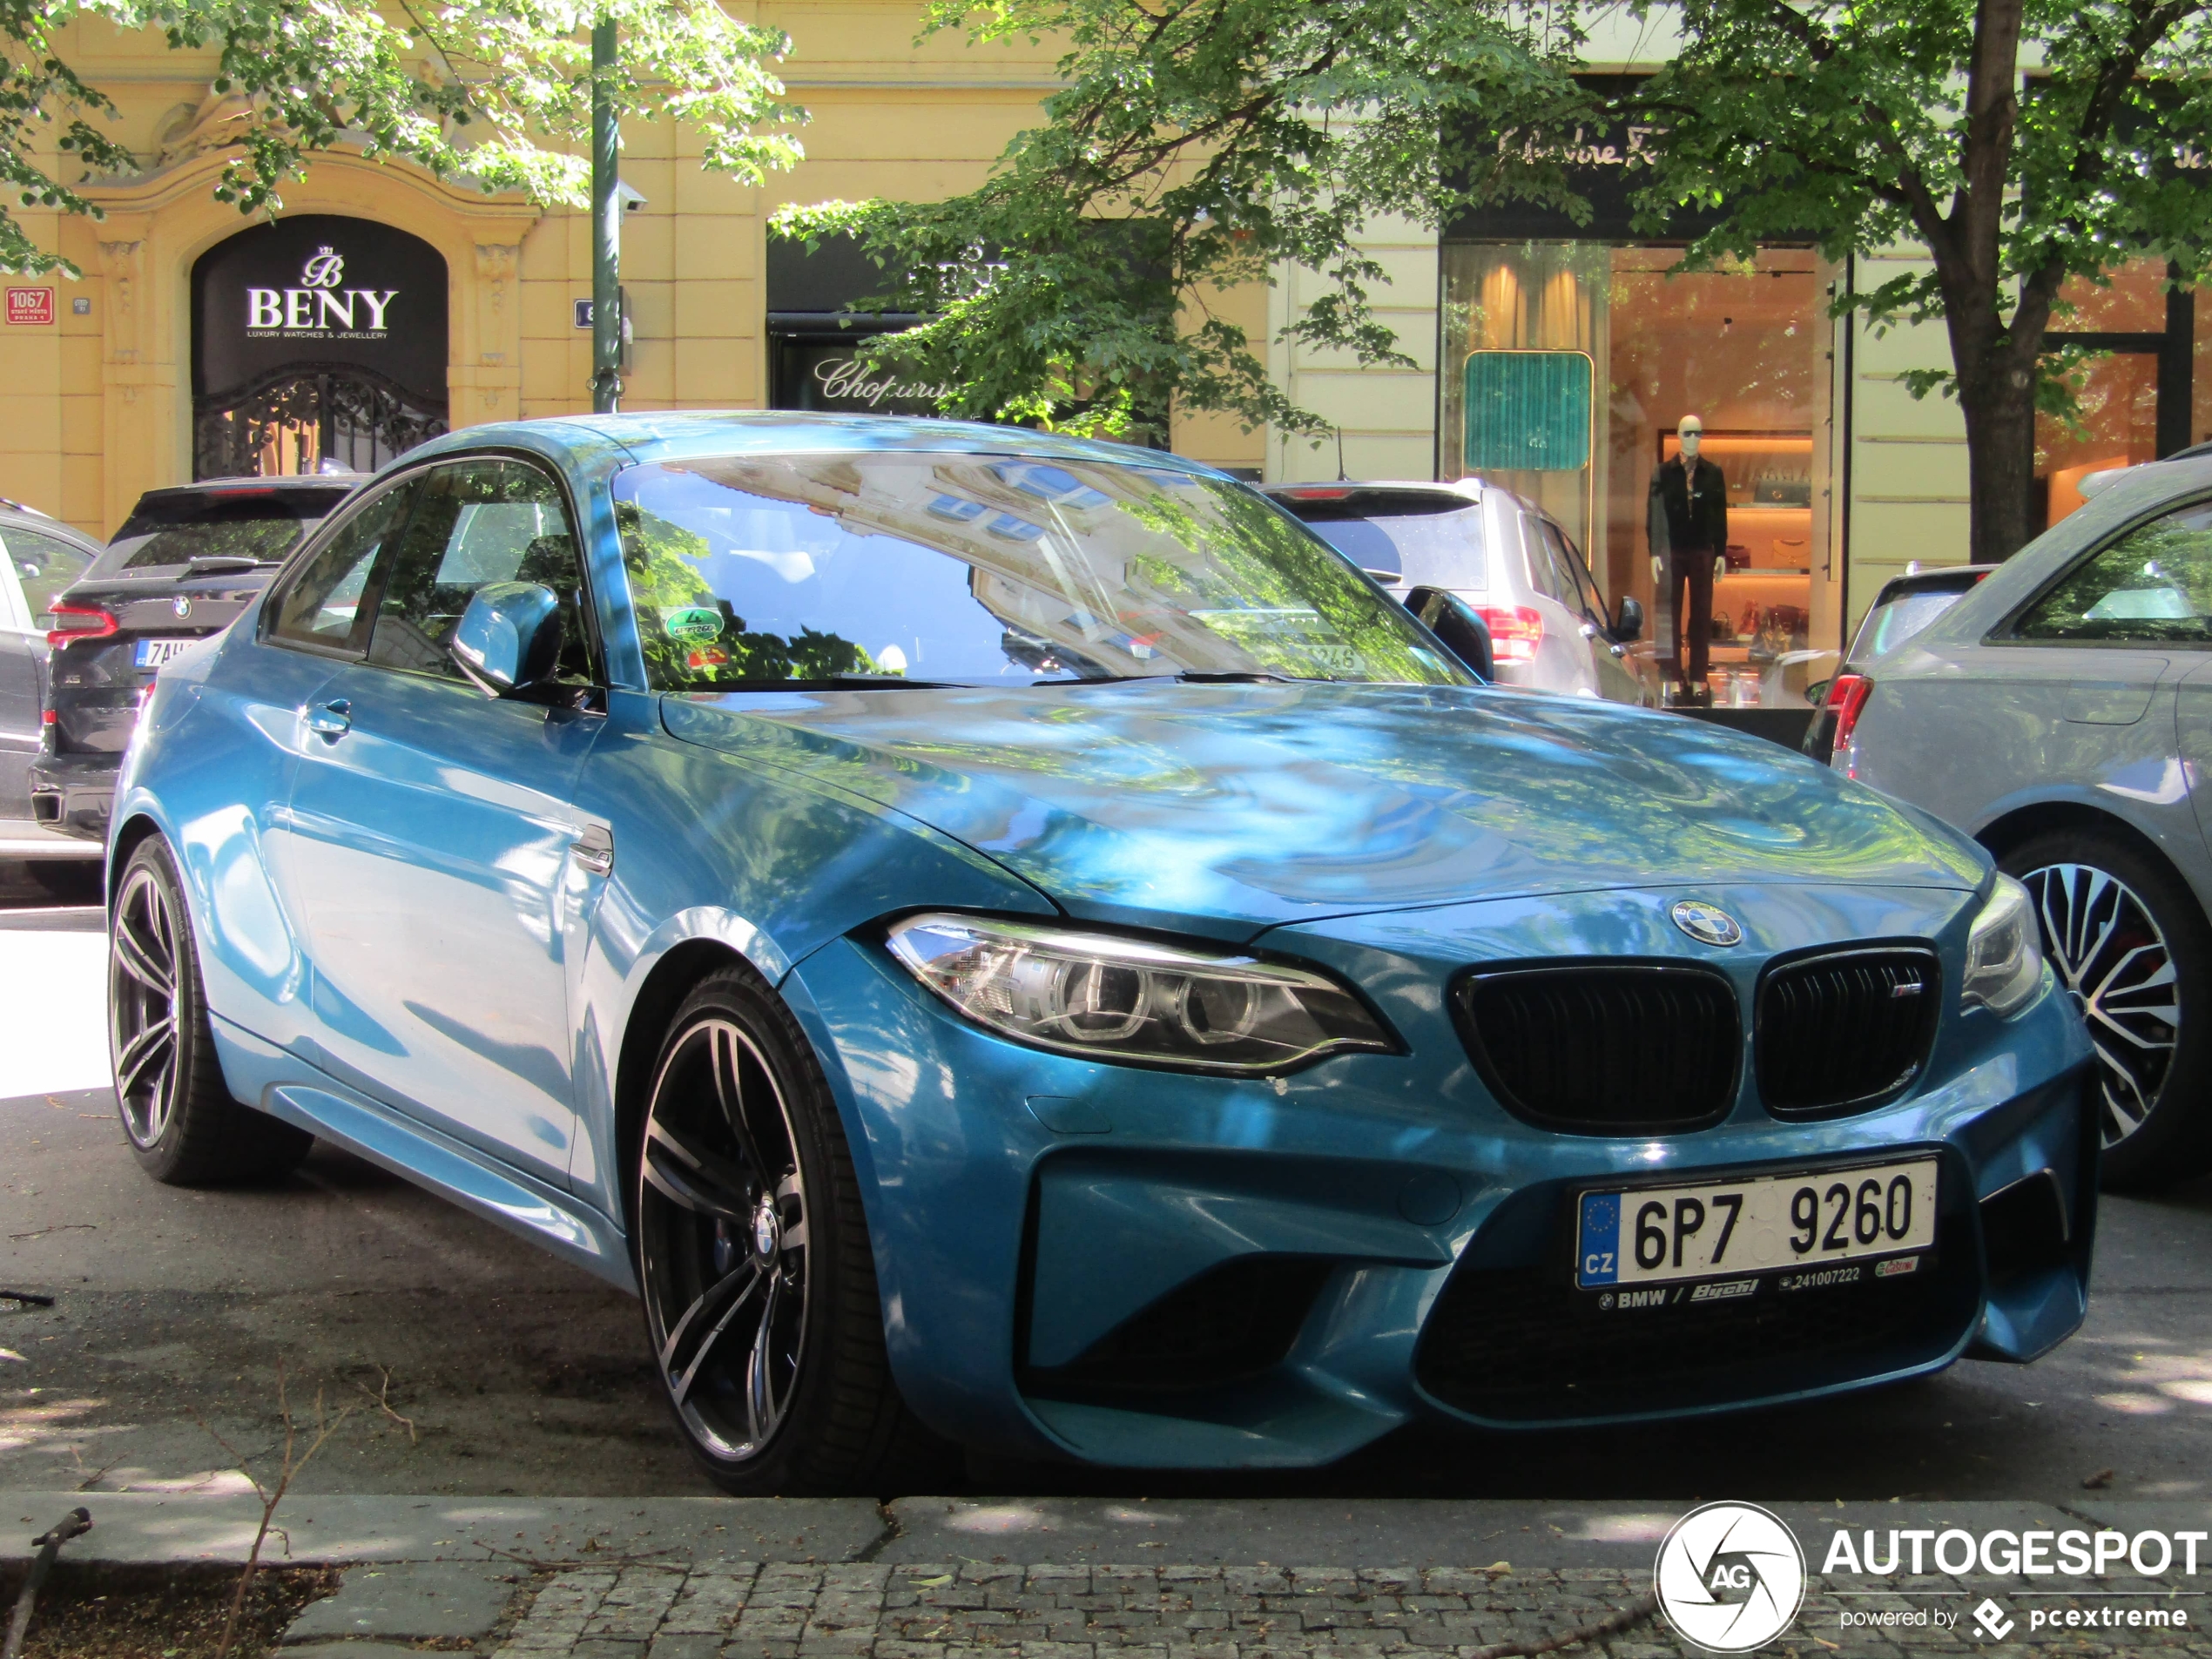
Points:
(606, 226)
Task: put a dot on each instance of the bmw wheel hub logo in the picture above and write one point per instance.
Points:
(1729, 1577)
(1706, 923)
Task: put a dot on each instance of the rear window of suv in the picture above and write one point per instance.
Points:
(1412, 538)
(169, 530)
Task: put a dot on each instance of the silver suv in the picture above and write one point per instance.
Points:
(1510, 561)
(2061, 711)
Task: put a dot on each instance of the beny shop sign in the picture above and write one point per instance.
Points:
(316, 292)
(319, 304)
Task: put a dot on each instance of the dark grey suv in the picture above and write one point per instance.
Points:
(186, 563)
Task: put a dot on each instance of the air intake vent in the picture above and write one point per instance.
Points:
(1845, 1033)
(1605, 1049)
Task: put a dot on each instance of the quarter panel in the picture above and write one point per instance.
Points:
(710, 847)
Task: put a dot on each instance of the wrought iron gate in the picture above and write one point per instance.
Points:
(348, 417)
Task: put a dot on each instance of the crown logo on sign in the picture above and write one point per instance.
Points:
(323, 271)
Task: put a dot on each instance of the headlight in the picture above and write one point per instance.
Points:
(2004, 952)
(1109, 998)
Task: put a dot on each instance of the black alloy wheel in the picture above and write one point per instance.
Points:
(2131, 947)
(182, 1124)
(753, 1260)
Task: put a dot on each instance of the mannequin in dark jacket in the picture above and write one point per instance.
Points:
(1689, 526)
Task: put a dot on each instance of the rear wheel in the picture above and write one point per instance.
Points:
(2130, 944)
(182, 1124)
(753, 1260)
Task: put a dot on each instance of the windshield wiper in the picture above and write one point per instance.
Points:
(223, 564)
(1251, 677)
(835, 682)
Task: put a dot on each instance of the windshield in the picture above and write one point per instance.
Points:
(981, 569)
(1888, 626)
(175, 528)
(1424, 550)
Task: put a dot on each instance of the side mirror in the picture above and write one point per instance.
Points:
(1816, 691)
(1459, 626)
(1628, 622)
(509, 639)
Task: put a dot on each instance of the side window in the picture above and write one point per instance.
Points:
(46, 566)
(2154, 584)
(327, 603)
(1543, 573)
(477, 522)
(1578, 572)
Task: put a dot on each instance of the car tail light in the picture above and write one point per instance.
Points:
(80, 622)
(1515, 631)
(1846, 698)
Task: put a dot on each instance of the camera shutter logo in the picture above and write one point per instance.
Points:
(1729, 1577)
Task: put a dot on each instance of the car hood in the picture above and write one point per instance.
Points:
(1231, 808)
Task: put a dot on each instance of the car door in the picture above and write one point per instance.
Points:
(34, 569)
(2087, 686)
(433, 832)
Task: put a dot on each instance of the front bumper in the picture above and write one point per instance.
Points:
(75, 794)
(1154, 1269)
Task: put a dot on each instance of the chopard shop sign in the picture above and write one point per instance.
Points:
(319, 291)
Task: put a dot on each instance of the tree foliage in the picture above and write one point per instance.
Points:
(1237, 135)
(2020, 142)
(1219, 138)
(495, 91)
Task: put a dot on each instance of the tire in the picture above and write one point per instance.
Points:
(2129, 941)
(754, 1266)
(184, 1127)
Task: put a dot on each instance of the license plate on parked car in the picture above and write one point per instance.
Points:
(152, 653)
(1754, 1226)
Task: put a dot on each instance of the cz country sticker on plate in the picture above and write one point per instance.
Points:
(1794, 1225)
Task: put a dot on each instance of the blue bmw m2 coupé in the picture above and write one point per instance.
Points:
(1012, 941)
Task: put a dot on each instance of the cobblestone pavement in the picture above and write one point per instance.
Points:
(967, 1610)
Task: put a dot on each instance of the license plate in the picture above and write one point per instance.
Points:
(152, 653)
(1759, 1225)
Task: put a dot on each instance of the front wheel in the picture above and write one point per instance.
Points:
(753, 1259)
(182, 1124)
(2130, 944)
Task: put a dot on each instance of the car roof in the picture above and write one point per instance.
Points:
(1349, 489)
(622, 440)
(272, 483)
(1942, 578)
(14, 514)
(2139, 492)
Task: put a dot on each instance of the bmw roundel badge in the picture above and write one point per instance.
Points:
(181, 605)
(1706, 923)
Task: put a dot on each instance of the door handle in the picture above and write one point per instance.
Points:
(331, 721)
(595, 849)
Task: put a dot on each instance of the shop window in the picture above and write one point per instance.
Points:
(1741, 348)
(2140, 394)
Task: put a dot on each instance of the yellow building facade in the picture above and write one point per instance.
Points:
(97, 389)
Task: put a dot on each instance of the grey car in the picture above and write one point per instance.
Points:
(40, 556)
(1506, 559)
(2061, 712)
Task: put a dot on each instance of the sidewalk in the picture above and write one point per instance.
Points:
(703, 1578)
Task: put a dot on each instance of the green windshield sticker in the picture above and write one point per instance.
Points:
(693, 622)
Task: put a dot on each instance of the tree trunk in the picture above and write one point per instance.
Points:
(1999, 408)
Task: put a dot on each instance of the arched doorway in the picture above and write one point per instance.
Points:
(317, 340)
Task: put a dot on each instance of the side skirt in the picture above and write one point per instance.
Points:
(286, 1086)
